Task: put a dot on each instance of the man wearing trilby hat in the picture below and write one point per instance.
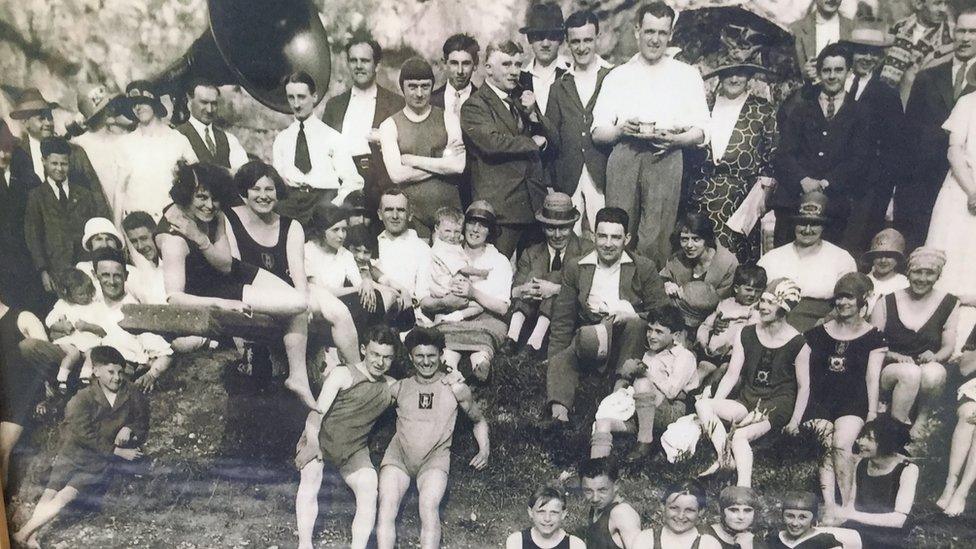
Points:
(539, 272)
(544, 31)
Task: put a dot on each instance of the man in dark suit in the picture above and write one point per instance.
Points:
(19, 283)
(577, 165)
(545, 33)
(539, 273)
(38, 121)
(882, 106)
(56, 214)
(504, 136)
(358, 112)
(934, 94)
(824, 146)
(596, 318)
(821, 26)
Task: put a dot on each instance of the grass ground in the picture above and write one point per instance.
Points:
(220, 472)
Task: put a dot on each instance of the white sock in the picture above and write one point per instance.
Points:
(515, 327)
(452, 358)
(539, 333)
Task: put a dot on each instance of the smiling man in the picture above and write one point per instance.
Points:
(547, 511)
(596, 317)
(544, 31)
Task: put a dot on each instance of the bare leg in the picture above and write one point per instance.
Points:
(742, 449)
(364, 485)
(957, 503)
(962, 441)
(307, 502)
(344, 332)
(846, 429)
(9, 435)
(431, 485)
(393, 485)
(825, 431)
(932, 383)
(903, 380)
(711, 413)
(45, 511)
(296, 348)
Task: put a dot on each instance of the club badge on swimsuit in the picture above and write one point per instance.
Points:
(425, 401)
(268, 261)
(837, 362)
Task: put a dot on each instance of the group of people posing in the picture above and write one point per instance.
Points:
(596, 220)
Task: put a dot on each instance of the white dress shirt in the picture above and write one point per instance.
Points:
(54, 187)
(542, 80)
(332, 165)
(36, 158)
(861, 84)
(403, 257)
(453, 99)
(237, 156)
(814, 273)
(959, 65)
(725, 114)
(827, 31)
(677, 89)
(673, 370)
(605, 289)
(358, 120)
(553, 252)
(585, 81)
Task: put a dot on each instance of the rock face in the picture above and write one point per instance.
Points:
(60, 46)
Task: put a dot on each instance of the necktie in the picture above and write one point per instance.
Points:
(831, 109)
(960, 82)
(208, 140)
(515, 113)
(855, 84)
(557, 263)
(62, 196)
(457, 102)
(302, 160)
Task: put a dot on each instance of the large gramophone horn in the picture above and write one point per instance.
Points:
(254, 43)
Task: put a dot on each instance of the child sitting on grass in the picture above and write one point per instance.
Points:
(107, 421)
(77, 322)
(450, 262)
(721, 328)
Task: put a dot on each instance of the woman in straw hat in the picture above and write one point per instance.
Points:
(770, 365)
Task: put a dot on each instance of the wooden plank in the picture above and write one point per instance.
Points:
(184, 320)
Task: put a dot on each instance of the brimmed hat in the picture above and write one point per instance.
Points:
(483, 210)
(871, 36)
(94, 102)
(557, 209)
(813, 207)
(7, 139)
(543, 17)
(752, 67)
(887, 242)
(856, 285)
(98, 225)
(142, 91)
(593, 342)
(30, 102)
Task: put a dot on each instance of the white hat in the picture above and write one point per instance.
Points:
(98, 225)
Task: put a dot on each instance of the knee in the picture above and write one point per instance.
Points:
(932, 375)
(643, 385)
(740, 441)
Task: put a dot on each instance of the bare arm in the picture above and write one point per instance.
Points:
(626, 522)
(873, 379)
(948, 337)
(731, 376)
(338, 380)
(295, 251)
(173, 251)
(802, 365)
(467, 403)
(903, 503)
(30, 326)
(399, 173)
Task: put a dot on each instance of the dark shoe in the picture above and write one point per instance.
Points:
(532, 355)
(509, 347)
(642, 451)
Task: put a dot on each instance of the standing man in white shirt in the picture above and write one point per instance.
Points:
(210, 143)
(822, 26)
(545, 33)
(311, 157)
(461, 57)
(403, 256)
(645, 166)
(358, 112)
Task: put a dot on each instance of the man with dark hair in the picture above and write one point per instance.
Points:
(824, 146)
(210, 143)
(822, 26)
(461, 58)
(358, 112)
(579, 168)
(545, 33)
(648, 138)
(403, 256)
(427, 404)
(56, 214)
(146, 281)
(547, 509)
(613, 523)
(934, 94)
(504, 137)
(310, 156)
(597, 316)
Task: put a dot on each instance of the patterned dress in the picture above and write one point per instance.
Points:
(720, 186)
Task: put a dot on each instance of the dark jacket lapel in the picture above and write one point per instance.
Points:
(500, 108)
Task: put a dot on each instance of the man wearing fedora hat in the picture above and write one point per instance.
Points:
(813, 263)
(37, 118)
(596, 315)
(887, 138)
(539, 272)
(149, 153)
(544, 31)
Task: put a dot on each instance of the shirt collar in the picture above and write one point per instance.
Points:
(821, 20)
(592, 70)
(199, 126)
(368, 93)
(592, 259)
(463, 91)
(501, 95)
(408, 234)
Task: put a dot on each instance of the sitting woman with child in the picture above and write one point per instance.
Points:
(770, 367)
(199, 269)
(846, 354)
(471, 316)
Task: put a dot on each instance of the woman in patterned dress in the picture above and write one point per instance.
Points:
(743, 140)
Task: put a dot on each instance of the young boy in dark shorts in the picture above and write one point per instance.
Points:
(105, 421)
(427, 405)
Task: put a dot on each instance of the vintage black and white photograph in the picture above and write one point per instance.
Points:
(606, 274)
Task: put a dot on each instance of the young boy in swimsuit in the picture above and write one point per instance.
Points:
(547, 511)
(613, 523)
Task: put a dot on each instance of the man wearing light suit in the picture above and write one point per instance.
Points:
(822, 26)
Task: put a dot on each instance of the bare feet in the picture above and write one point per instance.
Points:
(481, 370)
(957, 504)
(921, 428)
(303, 392)
(712, 469)
(943, 500)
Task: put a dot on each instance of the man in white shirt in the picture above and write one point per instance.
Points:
(403, 256)
(210, 143)
(822, 26)
(311, 157)
(813, 263)
(648, 136)
(545, 33)
(460, 58)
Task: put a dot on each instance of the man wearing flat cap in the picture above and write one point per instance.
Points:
(423, 152)
(544, 31)
(19, 283)
(539, 273)
(36, 114)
